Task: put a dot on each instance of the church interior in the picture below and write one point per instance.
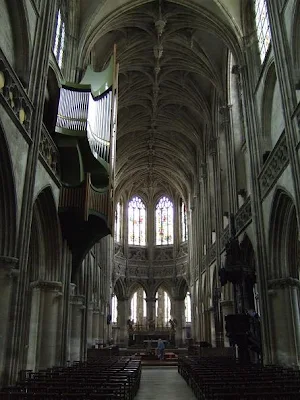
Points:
(150, 175)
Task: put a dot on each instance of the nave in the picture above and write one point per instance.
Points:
(163, 383)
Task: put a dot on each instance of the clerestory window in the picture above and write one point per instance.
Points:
(183, 217)
(59, 39)
(262, 27)
(136, 222)
(164, 221)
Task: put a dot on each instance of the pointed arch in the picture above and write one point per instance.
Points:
(120, 289)
(267, 102)
(136, 221)
(164, 221)
(8, 202)
(283, 237)
(46, 240)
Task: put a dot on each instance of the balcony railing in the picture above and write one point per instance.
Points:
(14, 97)
(49, 152)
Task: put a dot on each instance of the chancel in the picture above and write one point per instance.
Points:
(150, 202)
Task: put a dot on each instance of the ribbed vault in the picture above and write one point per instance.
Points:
(173, 57)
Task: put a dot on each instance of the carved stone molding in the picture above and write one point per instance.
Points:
(13, 96)
(49, 152)
(274, 166)
(243, 216)
(8, 266)
(283, 283)
(225, 237)
(138, 254)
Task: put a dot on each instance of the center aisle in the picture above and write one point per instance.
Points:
(159, 383)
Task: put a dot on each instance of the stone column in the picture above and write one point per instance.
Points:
(227, 307)
(36, 92)
(45, 307)
(151, 312)
(123, 315)
(89, 326)
(96, 324)
(179, 316)
(77, 304)
(212, 326)
(284, 304)
(8, 282)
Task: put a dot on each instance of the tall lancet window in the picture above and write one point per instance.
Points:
(164, 221)
(262, 27)
(114, 309)
(118, 222)
(59, 39)
(136, 222)
(188, 308)
(183, 215)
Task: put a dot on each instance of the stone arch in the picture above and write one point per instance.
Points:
(17, 46)
(165, 286)
(46, 242)
(51, 101)
(119, 289)
(267, 102)
(136, 285)
(182, 288)
(283, 237)
(8, 208)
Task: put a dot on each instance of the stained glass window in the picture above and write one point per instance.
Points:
(59, 39)
(118, 219)
(184, 232)
(136, 222)
(164, 221)
(262, 27)
(188, 309)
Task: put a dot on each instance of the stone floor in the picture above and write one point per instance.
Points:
(159, 383)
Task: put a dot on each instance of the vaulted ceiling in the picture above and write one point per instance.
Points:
(173, 68)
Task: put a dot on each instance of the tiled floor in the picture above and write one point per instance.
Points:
(159, 383)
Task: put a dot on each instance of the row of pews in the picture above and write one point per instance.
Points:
(221, 379)
(108, 378)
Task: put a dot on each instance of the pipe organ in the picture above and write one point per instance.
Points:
(88, 110)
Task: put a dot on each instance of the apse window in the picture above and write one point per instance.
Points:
(262, 27)
(164, 221)
(136, 222)
(183, 215)
(59, 39)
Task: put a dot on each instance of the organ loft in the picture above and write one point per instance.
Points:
(149, 167)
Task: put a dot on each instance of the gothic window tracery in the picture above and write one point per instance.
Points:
(262, 27)
(59, 38)
(164, 221)
(136, 222)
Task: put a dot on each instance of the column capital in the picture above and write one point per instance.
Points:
(8, 262)
(47, 285)
(226, 303)
(77, 300)
(283, 283)
(150, 299)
